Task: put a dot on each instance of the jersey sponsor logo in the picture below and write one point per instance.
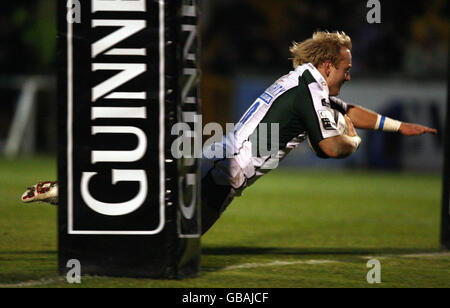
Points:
(275, 89)
(326, 103)
(327, 120)
(327, 124)
(271, 92)
(266, 97)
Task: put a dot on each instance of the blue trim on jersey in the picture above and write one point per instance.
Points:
(248, 114)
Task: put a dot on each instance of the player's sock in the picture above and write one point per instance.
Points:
(42, 191)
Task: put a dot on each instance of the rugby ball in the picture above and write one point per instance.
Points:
(340, 122)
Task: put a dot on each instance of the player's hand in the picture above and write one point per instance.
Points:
(350, 127)
(411, 129)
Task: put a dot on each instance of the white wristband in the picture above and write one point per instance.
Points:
(387, 124)
(357, 141)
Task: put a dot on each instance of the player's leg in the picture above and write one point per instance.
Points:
(42, 191)
(215, 199)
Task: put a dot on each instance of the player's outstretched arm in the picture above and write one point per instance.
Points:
(367, 119)
(411, 129)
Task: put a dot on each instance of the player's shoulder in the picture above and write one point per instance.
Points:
(304, 81)
(288, 80)
(292, 78)
(280, 87)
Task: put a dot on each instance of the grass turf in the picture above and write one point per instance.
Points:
(294, 228)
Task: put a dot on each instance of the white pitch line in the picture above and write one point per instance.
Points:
(32, 283)
(427, 255)
(40, 282)
(277, 263)
(312, 262)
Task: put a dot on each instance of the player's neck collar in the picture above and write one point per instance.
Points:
(317, 76)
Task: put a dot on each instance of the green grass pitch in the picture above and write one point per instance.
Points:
(293, 229)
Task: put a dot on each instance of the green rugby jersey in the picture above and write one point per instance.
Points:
(295, 107)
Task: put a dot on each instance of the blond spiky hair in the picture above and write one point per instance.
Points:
(321, 47)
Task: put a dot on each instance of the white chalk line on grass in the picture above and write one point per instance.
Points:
(40, 282)
(425, 255)
(33, 283)
(277, 263)
(313, 262)
(47, 281)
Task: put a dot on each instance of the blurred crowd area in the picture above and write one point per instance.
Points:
(28, 48)
(28, 36)
(410, 41)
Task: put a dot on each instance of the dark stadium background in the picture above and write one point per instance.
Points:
(244, 48)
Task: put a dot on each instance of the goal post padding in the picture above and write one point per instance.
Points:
(120, 88)
(445, 215)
